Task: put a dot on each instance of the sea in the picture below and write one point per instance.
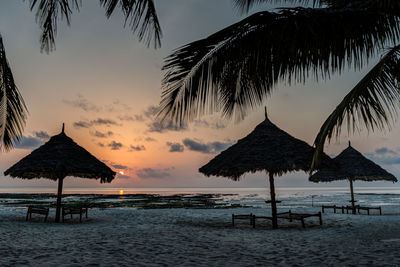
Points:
(288, 197)
(281, 191)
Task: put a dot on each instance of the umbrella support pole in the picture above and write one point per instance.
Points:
(59, 195)
(352, 197)
(273, 201)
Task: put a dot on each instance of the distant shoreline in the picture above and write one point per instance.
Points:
(285, 191)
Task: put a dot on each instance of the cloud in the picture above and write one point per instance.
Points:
(28, 142)
(118, 106)
(175, 147)
(119, 166)
(82, 124)
(219, 146)
(101, 121)
(159, 127)
(121, 170)
(206, 148)
(383, 159)
(390, 161)
(123, 176)
(131, 118)
(196, 146)
(147, 114)
(152, 173)
(150, 112)
(115, 145)
(137, 148)
(149, 139)
(83, 104)
(102, 135)
(42, 135)
(385, 150)
(219, 125)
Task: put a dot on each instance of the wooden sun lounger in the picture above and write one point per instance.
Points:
(350, 208)
(70, 211)
(300, 217)
(340, 208)
(243, 217)
(252, 218)
(370, 208)
(289, 215)
(37, 210)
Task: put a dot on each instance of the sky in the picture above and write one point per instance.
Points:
(105, 85)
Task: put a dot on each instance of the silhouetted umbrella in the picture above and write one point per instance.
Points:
(266, 148)
(352, 165)
(58, 158)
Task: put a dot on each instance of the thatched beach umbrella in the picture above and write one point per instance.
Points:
(352, 165)
(266, 148)
(58, 158)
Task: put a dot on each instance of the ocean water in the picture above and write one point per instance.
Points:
(283, 192)
(291, 198)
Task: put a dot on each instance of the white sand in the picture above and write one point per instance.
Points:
(192, 237)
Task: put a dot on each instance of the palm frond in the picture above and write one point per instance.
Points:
(13, 111)
(246, 5)
(141, 16)
(388, 6)
(373, 103)
(236, 68)
(48, 13)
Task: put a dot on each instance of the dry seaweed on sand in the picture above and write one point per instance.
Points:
(140, 201)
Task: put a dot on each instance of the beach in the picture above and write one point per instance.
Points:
(199, 133)
(125, 236)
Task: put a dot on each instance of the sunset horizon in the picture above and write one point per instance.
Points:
(270, 129)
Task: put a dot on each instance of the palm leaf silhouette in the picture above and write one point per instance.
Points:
(13, 111)
(140, 15)
(234, 69)
(373, 103)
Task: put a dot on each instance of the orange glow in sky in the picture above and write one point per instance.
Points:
(110, 109)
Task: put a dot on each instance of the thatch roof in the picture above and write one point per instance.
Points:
(61, 157)
(266, 148)
(353, 165)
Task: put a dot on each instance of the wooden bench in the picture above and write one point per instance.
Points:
(369, 208)
(289, 215)
(340, 208)
(300, 217)
(243, 217)
(70, 211)
(334, 207)
(350, 208)
(37, 210)
(267, 217)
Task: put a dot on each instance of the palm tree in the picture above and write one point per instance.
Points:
(235, 69)
(140, 15)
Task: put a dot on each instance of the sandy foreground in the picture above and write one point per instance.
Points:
(196, 237)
